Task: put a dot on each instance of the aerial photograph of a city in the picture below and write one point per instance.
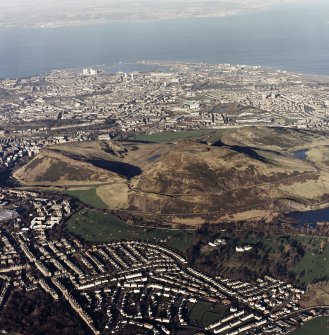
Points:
(164, 167)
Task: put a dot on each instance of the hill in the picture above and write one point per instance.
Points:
(270, 138)
(51, 168)
(231, 174)
(197, 182)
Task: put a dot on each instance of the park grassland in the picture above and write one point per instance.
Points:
(204, 313)
(314, 266)
(96, 226)
(171, 136)
(88, 196)
(317, 326)
(311, 267)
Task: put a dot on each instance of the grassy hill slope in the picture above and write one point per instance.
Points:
(51, 168)
(219, 175)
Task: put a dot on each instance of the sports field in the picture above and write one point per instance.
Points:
(204, 313)
(318, 326)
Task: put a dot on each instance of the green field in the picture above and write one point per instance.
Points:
(88, 197)
(96, 226)
(314, 266)
(311, 253)
(171, 136)
(318, 326)
(203, 313)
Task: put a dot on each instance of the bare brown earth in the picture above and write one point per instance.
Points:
(116, 196)
(316, 295)
(233, 174)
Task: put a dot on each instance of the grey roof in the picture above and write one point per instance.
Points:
(7, 215)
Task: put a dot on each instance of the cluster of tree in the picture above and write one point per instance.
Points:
(36, 313)
(269, 254)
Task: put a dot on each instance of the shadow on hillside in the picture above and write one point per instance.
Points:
(250, 152)
(124, 169)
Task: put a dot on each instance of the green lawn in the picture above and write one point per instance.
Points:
(318, 326)
(314, 265)
(310, 268)
(96, 226)
(204, 313)
(88, 197)
(171, 136)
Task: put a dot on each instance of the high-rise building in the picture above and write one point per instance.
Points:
(89, 72)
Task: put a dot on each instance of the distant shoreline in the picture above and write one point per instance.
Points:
(159, 65)
(250, 38)
(65, 15)
(86, 23)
